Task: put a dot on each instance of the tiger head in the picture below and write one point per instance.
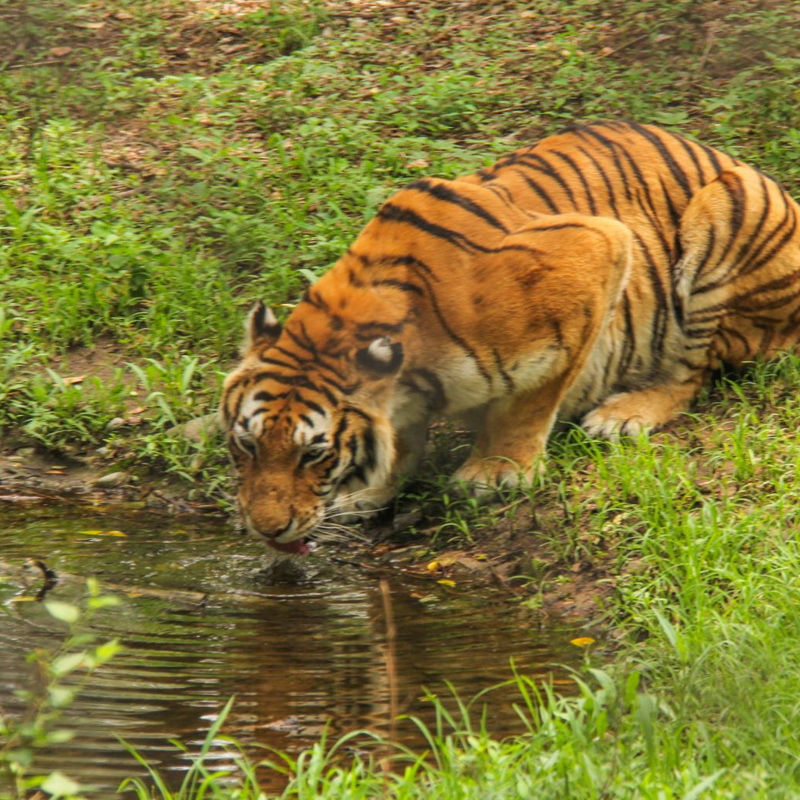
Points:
(306, 414)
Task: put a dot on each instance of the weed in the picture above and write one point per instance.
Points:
(59, 677)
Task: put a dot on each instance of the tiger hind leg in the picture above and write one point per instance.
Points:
(737, 288)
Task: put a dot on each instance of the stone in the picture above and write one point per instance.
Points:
(112, 480)
(196, 430)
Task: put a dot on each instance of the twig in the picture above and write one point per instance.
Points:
(35, 64)
(51, 577)
(627, 45)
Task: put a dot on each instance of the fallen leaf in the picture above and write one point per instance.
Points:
(74, 379)
(446, 582)
(58, 52)
(433, 566)
(582, 641)
(104, 533)
(418, 163)
(92, 26)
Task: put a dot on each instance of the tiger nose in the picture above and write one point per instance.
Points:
(264, 524)
(270, 529)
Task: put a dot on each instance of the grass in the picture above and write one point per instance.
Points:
(165, 162)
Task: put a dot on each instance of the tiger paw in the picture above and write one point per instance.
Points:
(617, 416)
(485, 475)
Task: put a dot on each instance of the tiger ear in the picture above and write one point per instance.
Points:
(381, 357)
(262, 326)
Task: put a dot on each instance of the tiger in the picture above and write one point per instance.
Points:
(600, 275)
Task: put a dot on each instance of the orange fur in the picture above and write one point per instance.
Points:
(602, 273)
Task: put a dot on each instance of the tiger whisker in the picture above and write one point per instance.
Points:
(360, 512)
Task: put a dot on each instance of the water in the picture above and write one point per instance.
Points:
(298, 654)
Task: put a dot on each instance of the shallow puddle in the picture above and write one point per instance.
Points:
(297, 654)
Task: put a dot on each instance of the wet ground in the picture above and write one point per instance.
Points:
(299, 648)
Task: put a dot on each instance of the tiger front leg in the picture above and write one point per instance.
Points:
(510, 448)
(578, 267)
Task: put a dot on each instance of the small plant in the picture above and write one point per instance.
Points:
(59, 677)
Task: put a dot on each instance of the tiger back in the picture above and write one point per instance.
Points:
(600, 275)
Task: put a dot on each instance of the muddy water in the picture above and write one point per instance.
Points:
(299, 653)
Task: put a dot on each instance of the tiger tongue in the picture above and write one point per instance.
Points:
(297, 546)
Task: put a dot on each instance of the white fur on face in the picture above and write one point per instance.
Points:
(255, 421)
(306, 434)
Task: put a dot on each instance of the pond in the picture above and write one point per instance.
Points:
(299, 654)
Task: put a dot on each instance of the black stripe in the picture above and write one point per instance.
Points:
(370, 448)
(711, 242)
(299, 342)
(660, 321)
(609, 144)
(277, 363)
(737, 213)
(503, 374)
(358, 412)
(773, 286)
(451, 333)
(444, 193)
(266, 397)
(311, 404)
(411, 261)
(354, 280)
(690, 150)
(547, 168)
(629, 345)
(754, 263)
(403, 286)
(503, 192)
(315, 300)
(666, 156)
(724, 330)
(329, 395)
(560, 226)
(237, 407)
(712, 156)
(674, 214)
(532, 184)
(435, 390)
(586, 188)
(288, 353)
(341, 428)
(609, 188)
(393, 213)
(781, 242)
(653, 216)
(379, 329)
(766, 206)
